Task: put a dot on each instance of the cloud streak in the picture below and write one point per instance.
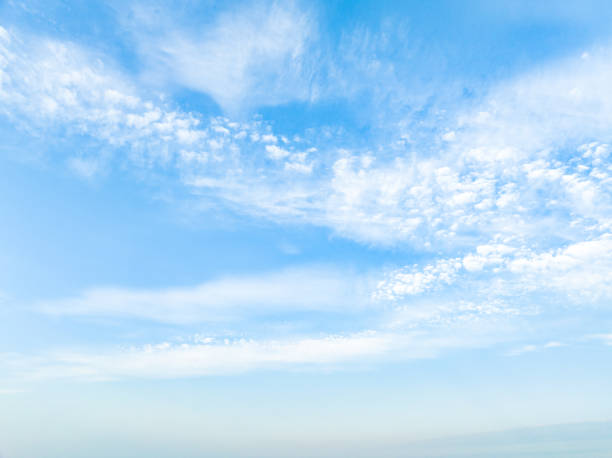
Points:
(320, 289)
(218, 356)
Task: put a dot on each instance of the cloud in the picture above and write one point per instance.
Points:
(245, 57)
(275, 152)
(9, 391)
(535, 149)
(533, 348)
(318, 289)
(168, 360)
(289, 248)
(412, 280)
(606, 339)
(217, 356)
(515, 279)
(59, 87)
(85, 167)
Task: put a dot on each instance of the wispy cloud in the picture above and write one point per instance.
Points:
(300, 289)
(167, 360)
(215, 356)
(9, 391)
(533, 348)
(249, 57)
(606, 339)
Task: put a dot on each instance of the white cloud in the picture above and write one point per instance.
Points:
(581, 272)
(85, 167)
(49, 86)
(507, 163)
(249, 56)
(298, 167)
(4, 35)
(276, 153)
(533, 348)
(554, 344)
(606, 339)
(314, 288)
(214, 356)
(269, 138)
(290, 248)
(452, 313)
(168, 360)
(522, 350)
(411, 280)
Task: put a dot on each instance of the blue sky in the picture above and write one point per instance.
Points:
(251, 228)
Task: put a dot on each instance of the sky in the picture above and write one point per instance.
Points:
(249, 229)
